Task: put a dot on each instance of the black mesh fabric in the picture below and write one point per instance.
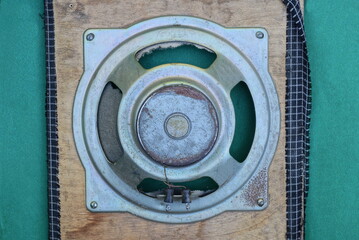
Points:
(51, 125)
(297, 120)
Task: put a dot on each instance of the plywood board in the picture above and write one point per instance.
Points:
(72, 18)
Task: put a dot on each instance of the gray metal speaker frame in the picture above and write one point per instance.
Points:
(242, 55)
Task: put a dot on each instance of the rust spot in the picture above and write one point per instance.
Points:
(189, 92)
(255, 188)
(186, 91)
(147, 112)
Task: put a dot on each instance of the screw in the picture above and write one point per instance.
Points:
(260, 202)
(90, 36)
(168, 208)
(93, 204)
(259, 35)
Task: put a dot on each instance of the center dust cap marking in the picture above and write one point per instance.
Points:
(177, 125)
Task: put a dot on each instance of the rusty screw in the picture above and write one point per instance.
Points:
(93, 204)
(260, 202)
(90, 36)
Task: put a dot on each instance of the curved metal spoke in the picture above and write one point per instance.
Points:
(126, 73)
(226, 72)
(129, 171)
(225, 170)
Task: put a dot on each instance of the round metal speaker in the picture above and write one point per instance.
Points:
(173, 123)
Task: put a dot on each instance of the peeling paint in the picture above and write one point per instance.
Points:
(165, 45)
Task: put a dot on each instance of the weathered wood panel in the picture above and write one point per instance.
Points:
(72, 18)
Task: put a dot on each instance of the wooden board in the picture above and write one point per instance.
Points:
(72, 18)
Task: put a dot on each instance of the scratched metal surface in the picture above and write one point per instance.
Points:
(200, 97)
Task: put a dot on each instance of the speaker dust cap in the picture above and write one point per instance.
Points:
(177, 125)
(149, 137)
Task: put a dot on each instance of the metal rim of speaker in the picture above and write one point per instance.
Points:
(110, 56)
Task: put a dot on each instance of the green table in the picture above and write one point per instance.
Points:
(333, 43)
(23, 179)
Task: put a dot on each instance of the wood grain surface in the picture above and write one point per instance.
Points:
(72, 18)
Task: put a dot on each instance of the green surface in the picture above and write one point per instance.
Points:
(245, 122)
(333, 42)
(23, 194)
(152, 185)
(188, 54)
